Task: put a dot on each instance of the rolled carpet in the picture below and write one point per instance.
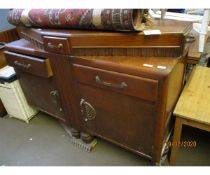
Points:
(94, 19)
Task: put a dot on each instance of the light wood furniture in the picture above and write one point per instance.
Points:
(193, 107)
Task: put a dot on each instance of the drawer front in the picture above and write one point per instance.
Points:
(143, 88)
(33, 65)
(57, 45)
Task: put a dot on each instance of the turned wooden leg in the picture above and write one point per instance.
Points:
(176, 139)
(75, 133)
(87, 138)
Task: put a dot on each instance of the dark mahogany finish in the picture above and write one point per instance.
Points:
(143, 88)
(136, 117)
(118, 86)
(37, 66)
(57, 45)
(171, 42)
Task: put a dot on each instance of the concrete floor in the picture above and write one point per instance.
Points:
(43, 142)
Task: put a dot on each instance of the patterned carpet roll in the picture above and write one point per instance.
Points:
(94, 19)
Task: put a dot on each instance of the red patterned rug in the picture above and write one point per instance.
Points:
(94, 19)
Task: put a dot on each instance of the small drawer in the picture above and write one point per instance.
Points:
(57, 45)
(33, 65)
(143, 88)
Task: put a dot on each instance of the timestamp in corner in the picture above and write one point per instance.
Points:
(185, 144)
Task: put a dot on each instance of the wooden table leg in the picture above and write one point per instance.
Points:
(176, 139)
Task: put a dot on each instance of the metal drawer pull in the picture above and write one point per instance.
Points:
(51, 46)
(55, 97)
(54, 93)
(118, 86)
(87, 110)
(26, 66)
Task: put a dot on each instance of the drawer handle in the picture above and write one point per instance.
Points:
(118, 86)
(51, 46)
(26, 66)
(87, 110)
(55, 97)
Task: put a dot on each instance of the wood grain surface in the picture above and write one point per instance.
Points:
(194, 103)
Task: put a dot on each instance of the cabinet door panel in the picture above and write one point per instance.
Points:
(42, 93)
(124, 119)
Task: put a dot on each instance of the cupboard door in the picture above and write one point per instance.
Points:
(42, 93)
(123, 119)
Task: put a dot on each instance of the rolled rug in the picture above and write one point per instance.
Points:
(92, 19)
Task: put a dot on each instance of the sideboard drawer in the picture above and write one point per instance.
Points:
(143, 88)
(57, 45)
(33, 65)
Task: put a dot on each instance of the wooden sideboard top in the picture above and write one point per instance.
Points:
(172, 33)
(135, 65)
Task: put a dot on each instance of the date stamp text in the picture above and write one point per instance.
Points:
(185, 144)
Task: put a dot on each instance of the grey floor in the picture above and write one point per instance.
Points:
(43, 142)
